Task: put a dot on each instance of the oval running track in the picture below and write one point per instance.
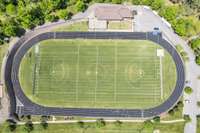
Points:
(21, 105)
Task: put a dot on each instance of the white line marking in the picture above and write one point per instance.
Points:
(37, 70)
(97, 56)
(77, 72)
(161, 78)
(115, 75)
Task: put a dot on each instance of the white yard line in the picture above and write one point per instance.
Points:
(153, 85)
(51, 75)
(36, 81)
(97, 57)
(37, 73)
(161, 79)
(115, 74)
(77, 72)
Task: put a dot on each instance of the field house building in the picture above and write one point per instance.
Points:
(102, 15)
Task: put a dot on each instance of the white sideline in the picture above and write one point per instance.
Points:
(161, 79)
(77, 73)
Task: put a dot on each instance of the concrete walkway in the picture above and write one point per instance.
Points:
(91, 121)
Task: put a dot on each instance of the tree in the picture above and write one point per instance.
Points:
(187, 118)
(118, 123)
(51, 18)
(198, 103)
(148, 124)
(175, 1)
(100, 123)
(197, 60)
(44, 123)
(157, 4)
(57, 4)
(11, 125)
(117, 1)
(29, 126)
(10, 28)
(176, 108)
(11, 9)
(49, 6)
(63, 14)
(195, 44)
(81, 124)
(180, 104)
(180, 27)
(136, 2)
(188, 90)
(31, 17)
(156, 119)
(194, 4)
(171, 112)
(80, 5)
(170, 13)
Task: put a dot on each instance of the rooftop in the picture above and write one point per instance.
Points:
(113, 12)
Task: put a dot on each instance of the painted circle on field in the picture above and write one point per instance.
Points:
(133, 73)
(60, 71)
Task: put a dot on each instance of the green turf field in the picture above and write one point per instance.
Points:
(97, 73)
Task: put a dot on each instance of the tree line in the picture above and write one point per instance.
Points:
(16, 16)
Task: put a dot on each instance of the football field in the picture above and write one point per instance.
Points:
(97, 74)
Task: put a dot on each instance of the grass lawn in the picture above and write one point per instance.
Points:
(78, 26)
(177, 115)
(182, 53)
(198, 124)
(109, 128)
(124, 25)
(97, 74)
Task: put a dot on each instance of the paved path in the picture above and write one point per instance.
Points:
(106, 120)
(146, 21)
(31, 108)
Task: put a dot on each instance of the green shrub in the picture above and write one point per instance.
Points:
(187, 118)
(148, 124)
(198, 103)
(171, 112)
(188, 90)
(180, 104)
(11, 125)
(156, 119)
(170, 13)
(81, 124)
(157, 4)
(63, 14)
(29, 126)
(197, 60)
(195, 43)
(51, 18)
(118, 123)
(100, 123)
(80, 6)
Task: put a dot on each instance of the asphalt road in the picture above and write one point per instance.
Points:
(21, 105)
